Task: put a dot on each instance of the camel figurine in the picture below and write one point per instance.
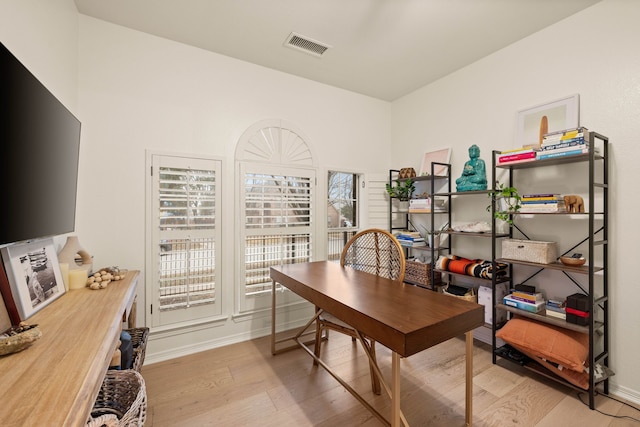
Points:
(573, 203)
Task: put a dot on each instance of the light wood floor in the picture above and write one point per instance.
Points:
(244, 385)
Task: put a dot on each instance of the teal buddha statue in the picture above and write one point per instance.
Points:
(474, 173)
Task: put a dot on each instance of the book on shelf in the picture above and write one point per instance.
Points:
(528, 296)
(540, 197)
(530, 154)
(513, 162)
(522, 305)
(557, 314)
(575, 142)
(566, 134)
(554, 154)
(556, 303)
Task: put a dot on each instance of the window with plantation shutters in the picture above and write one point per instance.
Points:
(186, 238)
(278, 218)
(276, 209)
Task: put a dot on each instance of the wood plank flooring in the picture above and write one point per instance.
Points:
(244, 385)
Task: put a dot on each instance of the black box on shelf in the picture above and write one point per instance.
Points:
(577, 317)
(578, 302)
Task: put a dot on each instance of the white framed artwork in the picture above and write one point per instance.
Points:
(34, 275)
(439, 156)
(557, 115)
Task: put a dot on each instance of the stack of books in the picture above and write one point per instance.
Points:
(564, 143)
(518, 155)
(556, 308)
(536, 203)
(410, 239)
(528, 301)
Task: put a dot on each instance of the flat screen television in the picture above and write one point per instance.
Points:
(39, 150)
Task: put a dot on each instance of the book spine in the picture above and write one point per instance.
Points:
(532, 196)
(563, 144)
(519, 156)
(553, 155)
(556, 314)
(524, 296)
(511, 162)
(560, 150)
(521, 305)
(539, 202)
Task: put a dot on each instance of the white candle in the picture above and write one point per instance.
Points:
(64, 270)
(78, 278)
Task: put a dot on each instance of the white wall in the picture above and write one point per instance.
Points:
(43, 35)
(592, 53)
(139, 92)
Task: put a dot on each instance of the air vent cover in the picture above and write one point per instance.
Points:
(306, 44)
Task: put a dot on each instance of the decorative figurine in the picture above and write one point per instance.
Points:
(474, 174)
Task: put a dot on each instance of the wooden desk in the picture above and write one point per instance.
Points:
(56, 380)
(404, 318)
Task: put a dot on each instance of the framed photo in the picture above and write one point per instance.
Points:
(534, 122)
(438, 156)
(34, 275)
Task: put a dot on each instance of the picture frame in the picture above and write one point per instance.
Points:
(439, 156)
(34, 275)
(561, 114)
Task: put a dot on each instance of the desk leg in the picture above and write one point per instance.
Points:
(395, 390)
(468, 411)
(273, 317)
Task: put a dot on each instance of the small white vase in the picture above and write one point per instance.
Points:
(434, 241)
(71, 251)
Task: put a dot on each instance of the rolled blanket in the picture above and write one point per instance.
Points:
(470, 267)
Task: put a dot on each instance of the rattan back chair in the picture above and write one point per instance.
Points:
(374, 251)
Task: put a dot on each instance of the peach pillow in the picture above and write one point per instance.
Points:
(562, 346)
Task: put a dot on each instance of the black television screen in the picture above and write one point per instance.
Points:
(39, 146)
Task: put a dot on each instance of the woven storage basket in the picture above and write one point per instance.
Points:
(123, 394)
(139, 338)
(530, 251)
(419, 273)
(471, 295)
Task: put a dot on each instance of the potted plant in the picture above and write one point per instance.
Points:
(403, 190)
(507, 202)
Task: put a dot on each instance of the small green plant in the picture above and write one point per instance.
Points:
(507, 202)
(403, 189)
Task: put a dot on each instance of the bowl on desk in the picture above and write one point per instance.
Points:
(574, 262)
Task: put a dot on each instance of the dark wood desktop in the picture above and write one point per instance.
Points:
(404, 318)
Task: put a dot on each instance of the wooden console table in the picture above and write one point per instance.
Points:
(56, 380)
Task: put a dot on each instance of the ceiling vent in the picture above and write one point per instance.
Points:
(306, 44)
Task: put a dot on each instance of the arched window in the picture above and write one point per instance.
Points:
(276, 185)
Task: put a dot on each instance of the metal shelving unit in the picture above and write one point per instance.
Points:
(597, 239)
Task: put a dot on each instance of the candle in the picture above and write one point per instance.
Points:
(78, 278)
(64, 270)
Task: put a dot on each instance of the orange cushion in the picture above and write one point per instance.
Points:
(562, 346)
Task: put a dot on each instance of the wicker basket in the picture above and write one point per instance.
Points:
(530, 251)
(123, 394)
(419, 273)
(139, 338)
(471, 295)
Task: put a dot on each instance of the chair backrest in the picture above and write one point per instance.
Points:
(375, 251)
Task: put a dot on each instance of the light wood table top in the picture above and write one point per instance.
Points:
(55, 381)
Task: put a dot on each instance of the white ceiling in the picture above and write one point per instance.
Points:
(381, 48)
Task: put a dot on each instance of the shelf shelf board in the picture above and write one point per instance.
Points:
(583, 269)
(462, 193)
(468, 233)
(487, 282)
(533, 366)
(542, 317)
